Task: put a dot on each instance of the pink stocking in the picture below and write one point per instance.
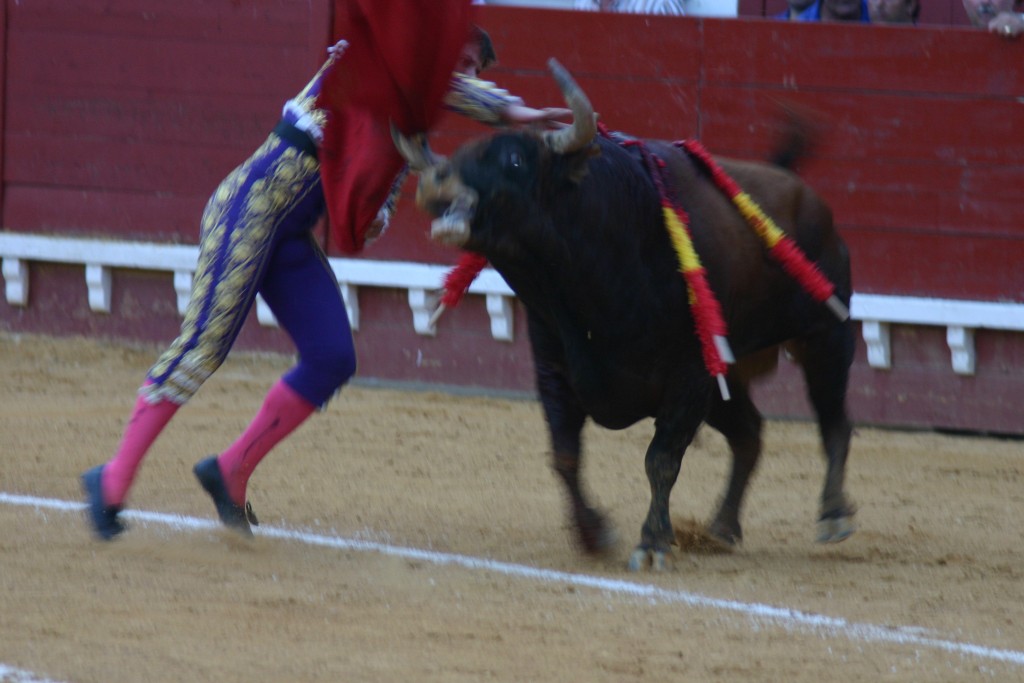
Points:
(144, 426)
(283, 410)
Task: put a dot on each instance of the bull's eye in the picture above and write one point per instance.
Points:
(515, 159)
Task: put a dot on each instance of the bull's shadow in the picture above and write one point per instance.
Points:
(575, 221)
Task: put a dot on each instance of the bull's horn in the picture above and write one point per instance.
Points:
(415, 150)
(584, 124)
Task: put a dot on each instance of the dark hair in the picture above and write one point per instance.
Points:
(488, 56)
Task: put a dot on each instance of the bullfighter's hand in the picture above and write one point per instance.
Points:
(337, 49)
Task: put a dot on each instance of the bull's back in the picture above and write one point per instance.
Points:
(793, 204)
(763, 305)
(797, 209)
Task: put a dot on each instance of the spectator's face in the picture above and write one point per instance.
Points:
(892, 11)
(980, 12)
(843, 9)
(469, 62)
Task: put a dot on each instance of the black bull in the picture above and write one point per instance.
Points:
(573, 223)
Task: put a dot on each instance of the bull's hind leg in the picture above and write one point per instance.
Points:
(740, 423)
(825, 360)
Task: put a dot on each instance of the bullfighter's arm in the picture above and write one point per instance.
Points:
(485, 102)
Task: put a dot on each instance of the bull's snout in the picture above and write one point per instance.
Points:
(452, 227)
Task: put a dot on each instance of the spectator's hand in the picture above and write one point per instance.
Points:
(337, 49)
(521, 114)
(1007, 24)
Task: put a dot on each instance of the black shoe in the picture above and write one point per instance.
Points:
(103, 517)
(234, 516)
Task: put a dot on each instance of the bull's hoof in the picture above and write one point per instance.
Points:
(596, 535)
(725, 535)
(642, 558)
(598, 540)
(835, 529)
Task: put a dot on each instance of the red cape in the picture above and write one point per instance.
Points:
(397, 68)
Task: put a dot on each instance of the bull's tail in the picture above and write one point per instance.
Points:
(800, 131)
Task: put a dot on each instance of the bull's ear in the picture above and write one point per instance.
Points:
(577, 163)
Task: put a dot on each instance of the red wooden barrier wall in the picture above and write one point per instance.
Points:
(122, 117)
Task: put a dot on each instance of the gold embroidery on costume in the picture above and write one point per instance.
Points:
(231, 261)
(478, 99)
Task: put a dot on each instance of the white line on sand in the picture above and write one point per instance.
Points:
(14, 675)
(835, 627)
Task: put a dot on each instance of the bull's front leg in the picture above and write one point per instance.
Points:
(656, 535)
(595, 535)
(565, 418)
(662, 462)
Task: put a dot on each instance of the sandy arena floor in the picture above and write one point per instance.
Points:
(931, 588)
